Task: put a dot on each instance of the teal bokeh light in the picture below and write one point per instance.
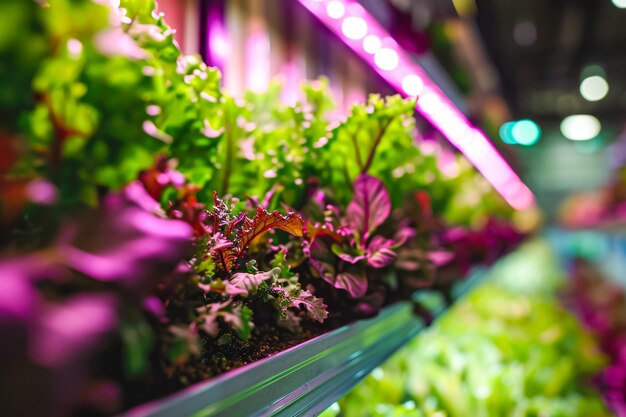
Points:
(506, 133)
(522, 132)
(526, 132)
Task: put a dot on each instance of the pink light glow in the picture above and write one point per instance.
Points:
(218, 43)
(292, 78)
(258, 59)
(395, 65)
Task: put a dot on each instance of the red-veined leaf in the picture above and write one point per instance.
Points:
(370, 205)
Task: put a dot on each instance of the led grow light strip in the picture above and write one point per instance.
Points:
(365, 36)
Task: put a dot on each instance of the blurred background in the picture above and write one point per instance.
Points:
(557, 66)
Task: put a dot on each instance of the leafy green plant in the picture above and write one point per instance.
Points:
(506, 349)
(189, 223)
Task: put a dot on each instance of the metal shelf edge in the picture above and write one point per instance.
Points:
(305, 379)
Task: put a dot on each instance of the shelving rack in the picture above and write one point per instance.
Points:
(308, 378)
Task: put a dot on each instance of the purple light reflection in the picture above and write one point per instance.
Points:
(395, 65)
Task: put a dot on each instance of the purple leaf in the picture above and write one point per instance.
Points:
(370, 205)
(18, 295)
(353, 281)
(322, 259)
(351, 259)
(315, 307)
(123, 242)
(18, 298)
(371, 304)
(440, 257)
(77, 326)
(403, 235)
(379, 252)
(154, 306)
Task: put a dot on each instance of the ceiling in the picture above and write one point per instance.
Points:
(541, 51)
(541, 48)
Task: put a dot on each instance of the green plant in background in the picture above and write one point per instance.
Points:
(467, 199)
(508, 349)
(377, 136)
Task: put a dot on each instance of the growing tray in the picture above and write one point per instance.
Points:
(308, 378)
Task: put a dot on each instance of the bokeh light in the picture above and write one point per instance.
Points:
(522, 132)
(354, 27)
(386, 59)
(580, 127)
(335, 9)
(594, 88)
(621, 4)
(412, 85)
(526, 132)
(371, 44)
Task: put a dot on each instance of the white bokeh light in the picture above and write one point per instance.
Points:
(371, 44)
(412, 85)
(354, 27)
(386, 59)
(594, 88)
(580, 127)
(621, 4)
(335, 9)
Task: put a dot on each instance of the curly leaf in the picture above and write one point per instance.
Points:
(315, 230)
(353, 281)
(238, 317)
(291, 321)
(263, 221)
(315, 307)
(249, 229)
(370, 205)
(223, 287)
(251, 282)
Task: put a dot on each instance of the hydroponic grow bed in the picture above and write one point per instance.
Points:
(151, 222)
(306, 379)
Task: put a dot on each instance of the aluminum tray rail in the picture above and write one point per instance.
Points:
(306, 379)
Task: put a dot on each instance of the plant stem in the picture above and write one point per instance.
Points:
(61, 131)
(356, 150)
(230, 152)
(370, 157)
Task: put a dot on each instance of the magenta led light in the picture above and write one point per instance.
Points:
(365, 36)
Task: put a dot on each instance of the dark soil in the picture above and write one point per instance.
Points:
(266, 340)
